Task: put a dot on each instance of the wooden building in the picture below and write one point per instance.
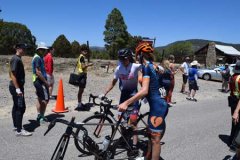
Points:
(213, 54)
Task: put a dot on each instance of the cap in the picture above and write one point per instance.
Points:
(21, 45)
(42, 45)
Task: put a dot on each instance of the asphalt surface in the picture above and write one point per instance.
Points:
(195, 131)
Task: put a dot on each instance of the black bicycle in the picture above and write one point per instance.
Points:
(106, 153)
(62, 145)
(103, 127)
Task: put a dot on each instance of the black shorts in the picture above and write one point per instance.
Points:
(193, 85)
(41, 90)
(185, 78)
(83, 81)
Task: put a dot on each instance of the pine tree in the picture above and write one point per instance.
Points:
(116, 35)
(62, 47)
(76, 49)
(13, 33)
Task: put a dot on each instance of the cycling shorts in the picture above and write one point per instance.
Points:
(158, 112)
(135, 106)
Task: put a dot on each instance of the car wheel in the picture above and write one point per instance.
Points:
(207, 77)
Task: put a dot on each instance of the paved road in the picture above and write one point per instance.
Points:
(195, 131)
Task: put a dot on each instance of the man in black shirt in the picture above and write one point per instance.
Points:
(16, 88)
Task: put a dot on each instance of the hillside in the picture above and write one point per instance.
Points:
(199, 43)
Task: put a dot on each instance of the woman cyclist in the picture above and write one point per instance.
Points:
(150, 89)
(127, 74)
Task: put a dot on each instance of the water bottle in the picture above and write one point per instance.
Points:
(106, 142)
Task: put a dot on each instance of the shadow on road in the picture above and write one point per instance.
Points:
(33, 124)
(227, 157)
(89, 105)
(224, 138)
(53, 116)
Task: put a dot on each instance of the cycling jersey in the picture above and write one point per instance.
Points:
(148, 71)
(128, 77)
(128, 81)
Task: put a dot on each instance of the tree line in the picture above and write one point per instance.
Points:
(116, 37)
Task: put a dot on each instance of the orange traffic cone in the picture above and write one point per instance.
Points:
(60, 107)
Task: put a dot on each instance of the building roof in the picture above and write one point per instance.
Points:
(229, 50)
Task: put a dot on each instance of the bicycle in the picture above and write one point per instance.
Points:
(106, 116)
(88, 143)
(62, 145)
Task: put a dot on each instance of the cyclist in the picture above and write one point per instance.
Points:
(127, 74)
(150, 89)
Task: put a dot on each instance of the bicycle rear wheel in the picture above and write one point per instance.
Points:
(96, 132)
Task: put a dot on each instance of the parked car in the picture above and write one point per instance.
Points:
(213, 74)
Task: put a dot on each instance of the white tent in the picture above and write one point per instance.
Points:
(229, 50)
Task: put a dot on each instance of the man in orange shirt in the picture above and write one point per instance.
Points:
(48, 63)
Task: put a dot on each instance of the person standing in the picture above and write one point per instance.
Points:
(82, 71)
(225, 78)
(48, 63)
(192, 81)
(16, 88)
(184, 68)
(127, 74)
(150, 89)
(166, 79)
(171, 59)
(40, 82)
(234, 85)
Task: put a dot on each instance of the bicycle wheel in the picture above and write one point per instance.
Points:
(96, 132)
(61, 148)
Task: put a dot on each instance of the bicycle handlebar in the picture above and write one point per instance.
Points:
(103, 99)
(63, 121)
(108, 105)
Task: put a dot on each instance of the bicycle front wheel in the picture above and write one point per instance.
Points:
(97, 132)
(61, 148)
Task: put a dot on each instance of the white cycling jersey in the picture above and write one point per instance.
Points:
(128, 76)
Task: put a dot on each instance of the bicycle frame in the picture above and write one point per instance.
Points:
(87, 142)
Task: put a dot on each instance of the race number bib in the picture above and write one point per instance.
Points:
(162, 92)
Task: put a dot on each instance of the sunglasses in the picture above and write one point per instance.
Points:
(122, 58)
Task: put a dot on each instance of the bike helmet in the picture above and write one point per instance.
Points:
(144, 47)
(124, 53)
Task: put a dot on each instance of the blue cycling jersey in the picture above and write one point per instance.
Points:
(158, 106)
(148, 71)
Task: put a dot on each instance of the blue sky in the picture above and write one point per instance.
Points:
(167, 20)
